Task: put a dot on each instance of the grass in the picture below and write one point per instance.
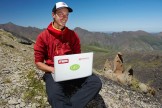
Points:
(3, 102)
(35, 89)
(100, 54)
(7, 80)
(145, 64)
(151, 40)
(88, 48)
(135, 84)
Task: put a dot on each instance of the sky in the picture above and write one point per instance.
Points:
(92, 15)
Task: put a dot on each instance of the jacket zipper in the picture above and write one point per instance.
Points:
(56, 49)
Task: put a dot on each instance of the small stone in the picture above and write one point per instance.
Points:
(12, 102)
(22, 104)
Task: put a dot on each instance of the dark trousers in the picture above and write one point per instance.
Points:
(73, 93)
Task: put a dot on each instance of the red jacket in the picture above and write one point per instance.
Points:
(52, 42)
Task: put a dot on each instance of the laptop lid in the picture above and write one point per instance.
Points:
(68, 67)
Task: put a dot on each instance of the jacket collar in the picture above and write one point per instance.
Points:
(54, 30)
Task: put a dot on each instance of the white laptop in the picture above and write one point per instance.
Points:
(74, 66)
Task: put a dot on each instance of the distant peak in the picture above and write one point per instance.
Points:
(10, 23)
(79, 29)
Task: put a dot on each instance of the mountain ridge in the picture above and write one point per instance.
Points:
(123, 41)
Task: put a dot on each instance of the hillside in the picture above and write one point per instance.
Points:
(127, 41)
(26, 32)
(21, 85)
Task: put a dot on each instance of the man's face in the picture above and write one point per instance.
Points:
(61, 16)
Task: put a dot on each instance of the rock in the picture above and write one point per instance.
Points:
(22, 104)
(118, 73)
(13, 102)
(118, 64)
(143, 87)
(108, 65)
(124, 75)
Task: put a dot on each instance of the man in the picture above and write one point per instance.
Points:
(57, 39)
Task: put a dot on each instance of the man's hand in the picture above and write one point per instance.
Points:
(44, 67)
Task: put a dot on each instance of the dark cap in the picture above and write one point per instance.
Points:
(59, 5)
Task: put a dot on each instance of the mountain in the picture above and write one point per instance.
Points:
(22, 85)
(128, 41)
(93, 38)
(160, 34)
(26, 32)
(124, 41)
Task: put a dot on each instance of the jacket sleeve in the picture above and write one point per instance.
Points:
(40, 48)
(76, 45)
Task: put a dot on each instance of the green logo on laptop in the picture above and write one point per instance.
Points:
(74, 67)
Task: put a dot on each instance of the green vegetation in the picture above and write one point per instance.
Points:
(151, 40)
(7, 80)
(145, 64)
(88, 48)
(95, 44)
(35, 92)
(135, 84)
(3, 102)
(100, 54)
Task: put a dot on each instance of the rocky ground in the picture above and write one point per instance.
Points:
(18, 77)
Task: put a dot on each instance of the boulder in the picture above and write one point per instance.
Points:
(118, 73)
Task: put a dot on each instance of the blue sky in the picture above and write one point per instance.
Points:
(92, 15)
